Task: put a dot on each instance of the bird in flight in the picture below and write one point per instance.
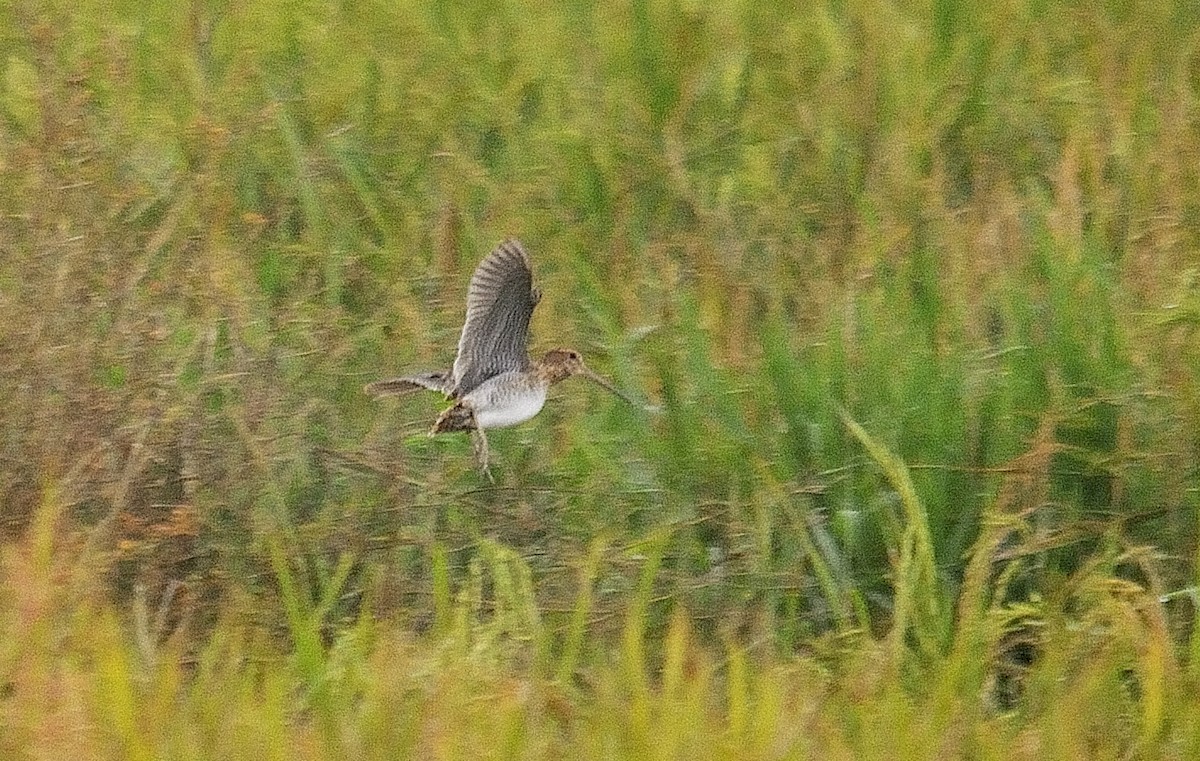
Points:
(493, 382)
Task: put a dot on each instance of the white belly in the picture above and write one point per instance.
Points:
(497, 405)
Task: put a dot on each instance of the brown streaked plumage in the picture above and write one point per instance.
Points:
(492, 382)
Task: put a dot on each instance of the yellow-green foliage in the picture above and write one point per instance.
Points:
(912, 288)
(82, 683)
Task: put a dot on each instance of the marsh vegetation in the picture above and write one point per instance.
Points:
(914, 286)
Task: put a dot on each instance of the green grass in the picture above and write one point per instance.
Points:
(913, 285)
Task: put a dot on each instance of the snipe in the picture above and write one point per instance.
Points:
(493, 382)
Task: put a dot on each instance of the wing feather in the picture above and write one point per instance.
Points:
(500, 302)
(393, 386)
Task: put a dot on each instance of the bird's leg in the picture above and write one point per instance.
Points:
(461, 417)
(479, 439)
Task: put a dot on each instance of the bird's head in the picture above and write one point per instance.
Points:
(560, 364)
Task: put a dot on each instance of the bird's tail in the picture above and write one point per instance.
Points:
(457, 418)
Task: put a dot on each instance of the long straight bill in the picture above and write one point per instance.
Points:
(599, 381)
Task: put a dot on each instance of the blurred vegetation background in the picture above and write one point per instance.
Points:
(915, 285)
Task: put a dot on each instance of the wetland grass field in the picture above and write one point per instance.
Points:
(911, 291)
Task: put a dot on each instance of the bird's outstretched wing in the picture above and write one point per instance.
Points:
(394, 386)
(500, 301)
